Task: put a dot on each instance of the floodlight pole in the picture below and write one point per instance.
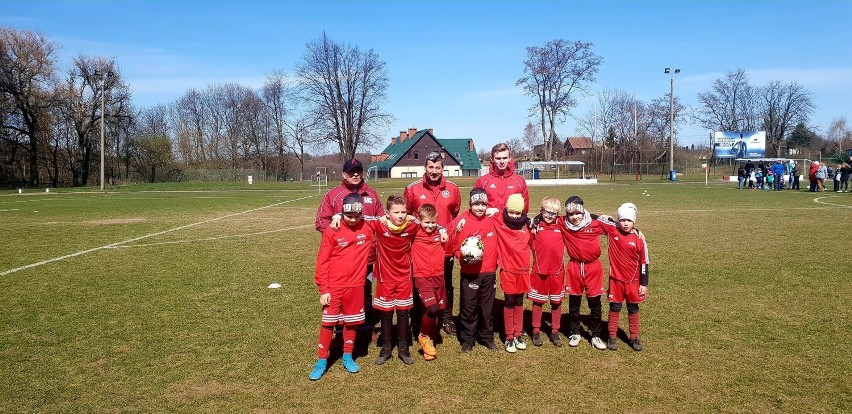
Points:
(671, 119)
(103, 114)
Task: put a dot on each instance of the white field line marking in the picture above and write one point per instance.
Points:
(211, 238)
(9, 209)
(819, 200)
(113, 245)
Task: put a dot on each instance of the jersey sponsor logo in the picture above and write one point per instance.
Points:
(510, 187)
(361, 236)
(473, 286)
(405, 234)
(490, 233)
(615, 238)
(631, 244)
(445, 194)
(386, 234)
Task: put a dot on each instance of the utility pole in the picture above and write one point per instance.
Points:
(671, 121)
(102, 76)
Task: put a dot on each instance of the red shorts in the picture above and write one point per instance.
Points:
(585, 278)
(514, 283)
(346, 307)
(432, 291)
(544, 288)
(619, 291)
(390, 296)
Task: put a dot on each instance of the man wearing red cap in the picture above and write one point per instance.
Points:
(435, 189)
(501, 180)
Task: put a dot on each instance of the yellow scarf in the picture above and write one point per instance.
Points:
(398, 229)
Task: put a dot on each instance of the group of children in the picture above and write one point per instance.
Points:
(410, 254)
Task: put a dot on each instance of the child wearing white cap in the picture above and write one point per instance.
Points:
(628, 279)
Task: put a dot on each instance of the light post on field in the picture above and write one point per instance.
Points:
(671, 74)
(103, 76)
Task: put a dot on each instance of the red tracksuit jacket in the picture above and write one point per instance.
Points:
(342, 257)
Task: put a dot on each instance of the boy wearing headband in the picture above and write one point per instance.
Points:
(339, 276)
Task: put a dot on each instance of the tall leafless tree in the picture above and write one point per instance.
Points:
(553, 75)
(346, 87)
(782, 106)
(27, 84)
(729, 105)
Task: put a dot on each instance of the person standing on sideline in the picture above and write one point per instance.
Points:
(821, 175)
(332, 204)
(436, 190)
(501, 180)
(778, 172)
(790, 166)
(812, 176)
(845, 172)
(741, 177)
(794, 174)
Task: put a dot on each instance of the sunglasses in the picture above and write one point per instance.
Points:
(550, 213)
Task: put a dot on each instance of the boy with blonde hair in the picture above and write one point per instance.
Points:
(427, 258)
(547, 282)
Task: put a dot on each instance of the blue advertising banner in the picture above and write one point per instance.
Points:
(739, 144)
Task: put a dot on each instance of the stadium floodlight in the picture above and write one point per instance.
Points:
(671, 120)
(103, 76)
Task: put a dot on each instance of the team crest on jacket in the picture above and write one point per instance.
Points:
(368, 200)
(445, 194)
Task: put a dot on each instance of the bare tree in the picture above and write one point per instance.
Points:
(190, 116)
(303, 134)
(27, 80)
(782, 107)
(278, 98)
(345, 87)
(729, 105)
(839, 135)
(553, 74)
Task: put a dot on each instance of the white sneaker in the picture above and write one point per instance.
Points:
(598, 343)
(520, 344)
(574, 340)
(510, 347)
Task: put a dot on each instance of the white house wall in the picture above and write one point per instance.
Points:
(417, 172)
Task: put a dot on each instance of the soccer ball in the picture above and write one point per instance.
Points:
(472, 249)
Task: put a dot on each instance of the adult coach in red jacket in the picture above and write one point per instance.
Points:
(501, 180)
(435, 189)
(332, 203)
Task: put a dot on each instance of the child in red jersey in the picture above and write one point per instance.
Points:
(628, 279)
(394, 287)
(513, 258)
(547, 282)
(581, 232)
(339, 276)
(427, 257)
(478, 277)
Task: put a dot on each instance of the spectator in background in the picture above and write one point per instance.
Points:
(821, 175)
(778, 172)
(741, 177)
(845, 172)
(794, 173)
(836, 178)
(812, 172)
(790, 167)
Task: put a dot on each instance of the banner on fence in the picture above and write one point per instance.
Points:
(739, 144)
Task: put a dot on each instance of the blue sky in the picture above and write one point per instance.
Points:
(453, 64)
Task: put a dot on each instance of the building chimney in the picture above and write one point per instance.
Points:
(393, 141)
(401, 136)
(412, 132)
(470, 145)
(431, 132)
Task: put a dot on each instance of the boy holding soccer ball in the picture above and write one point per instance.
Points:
(478, 273)
(339, 276)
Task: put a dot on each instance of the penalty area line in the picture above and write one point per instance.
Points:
(117, 244)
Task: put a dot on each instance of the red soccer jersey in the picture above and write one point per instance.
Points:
(583, 245)
(332, 203)
(627, 254)
(342, 257)
(482, 227)
(393, 255)
(548, 249)
(500, 186)
(427, 254)
(445, 197)
(513, 246)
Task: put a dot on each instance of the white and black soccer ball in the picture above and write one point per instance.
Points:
(472, 249)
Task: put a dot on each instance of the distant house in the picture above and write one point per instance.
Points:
(405, 156)
(578, 146)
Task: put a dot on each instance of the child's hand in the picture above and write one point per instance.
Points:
(490, 211)
(444, 237)
(640, 234)
(383, 220)
(335, 222)
(413, 219)
(643, 290)
(460, 225)
(325, 299)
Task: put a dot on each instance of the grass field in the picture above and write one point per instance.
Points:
(154, 299)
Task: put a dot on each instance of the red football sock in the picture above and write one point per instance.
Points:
(519, 320)
(634, 325)
(613, 324)
(348, 339)
(325, 335)
(509, 322)
(536, 318)
(427, 325)
(555, 316)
